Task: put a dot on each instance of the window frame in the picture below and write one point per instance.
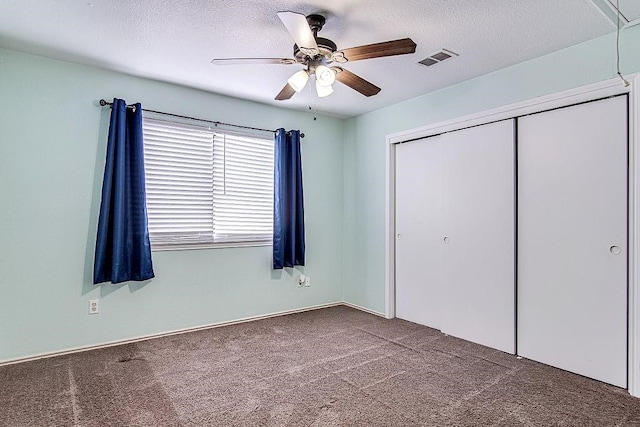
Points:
(216, 131)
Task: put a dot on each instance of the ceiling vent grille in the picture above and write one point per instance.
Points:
(438, 57)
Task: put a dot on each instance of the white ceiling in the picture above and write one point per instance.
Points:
(175, 40)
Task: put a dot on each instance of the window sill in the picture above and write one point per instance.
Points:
(188, 247)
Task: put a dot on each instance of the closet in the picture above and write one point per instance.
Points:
(572, 239)
(455, 233)
(513, 234)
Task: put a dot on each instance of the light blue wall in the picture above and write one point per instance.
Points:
(52, 145)
(52, 149)
(364, 147)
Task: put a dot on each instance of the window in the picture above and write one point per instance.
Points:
(207, 187)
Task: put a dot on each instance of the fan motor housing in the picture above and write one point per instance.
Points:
(325, 46)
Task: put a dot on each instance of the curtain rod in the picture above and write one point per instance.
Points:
(104, 102)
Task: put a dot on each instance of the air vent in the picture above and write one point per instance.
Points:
(438, 57)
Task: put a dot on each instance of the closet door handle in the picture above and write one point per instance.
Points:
(616, 250)
(446, 239)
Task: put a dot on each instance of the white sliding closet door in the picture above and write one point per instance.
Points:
(418, 265)
(572, 239)
(478, 213)
(455, 233)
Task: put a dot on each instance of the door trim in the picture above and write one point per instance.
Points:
(591, 92)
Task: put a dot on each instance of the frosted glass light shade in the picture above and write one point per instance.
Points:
(298, 80)
(323, 90)
(325, 76)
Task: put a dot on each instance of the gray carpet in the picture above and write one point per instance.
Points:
(331, 367)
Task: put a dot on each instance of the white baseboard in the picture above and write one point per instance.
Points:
(366, 310)
(178, 331)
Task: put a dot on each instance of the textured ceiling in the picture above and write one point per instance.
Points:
(175, 40)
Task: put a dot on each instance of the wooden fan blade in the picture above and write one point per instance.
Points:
(244, 61)
(377, 50)
(298, 27)
(286, 93)
(355, 82)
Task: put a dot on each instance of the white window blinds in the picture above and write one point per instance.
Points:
(207, 187)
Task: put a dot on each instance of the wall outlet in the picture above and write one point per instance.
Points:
(301, 280)
(307, 281)
(94, 308)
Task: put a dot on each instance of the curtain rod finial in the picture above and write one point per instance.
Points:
(103, 102)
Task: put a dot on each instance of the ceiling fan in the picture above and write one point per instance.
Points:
(317, 54)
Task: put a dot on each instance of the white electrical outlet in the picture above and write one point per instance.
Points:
(301, 280)
(94, 308)
(307, 281)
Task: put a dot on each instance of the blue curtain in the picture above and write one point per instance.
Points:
(288, 208)
(123, 251)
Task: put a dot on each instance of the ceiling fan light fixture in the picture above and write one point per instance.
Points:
(298, 80)
(323, 90)
(325, 76)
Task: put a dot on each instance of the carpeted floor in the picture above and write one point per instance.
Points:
(330, 367)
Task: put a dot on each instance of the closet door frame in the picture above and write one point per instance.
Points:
(587, 93)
